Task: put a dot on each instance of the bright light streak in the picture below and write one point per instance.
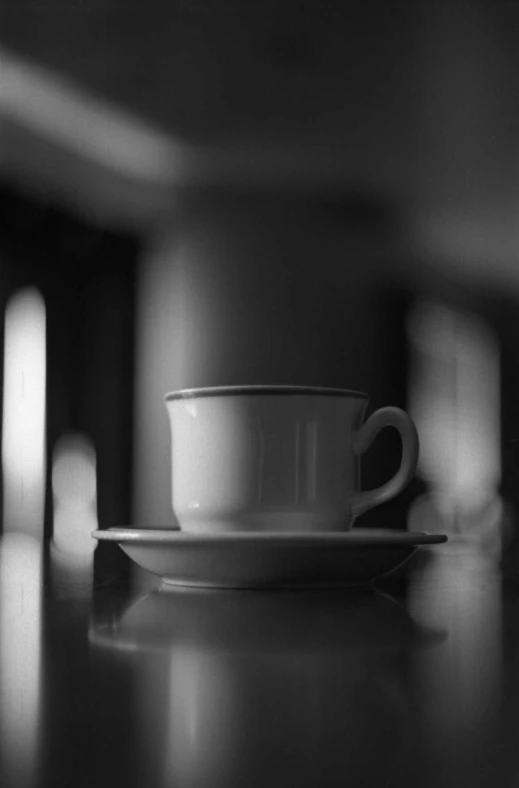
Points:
(75, 500)
(95, 129)
(61, 111)
(20, 658)
(23, 439)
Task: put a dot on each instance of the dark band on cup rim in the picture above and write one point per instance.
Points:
(218, 391)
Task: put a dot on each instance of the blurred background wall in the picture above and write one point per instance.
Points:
(213, 193)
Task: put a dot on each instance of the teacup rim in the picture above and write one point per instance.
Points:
(255, 389)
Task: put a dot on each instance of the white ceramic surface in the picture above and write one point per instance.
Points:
(277, 458)
(260, 560)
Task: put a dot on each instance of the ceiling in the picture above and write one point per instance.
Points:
(234, 71)
(114, 104)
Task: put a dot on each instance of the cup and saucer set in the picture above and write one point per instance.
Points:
(265, 490)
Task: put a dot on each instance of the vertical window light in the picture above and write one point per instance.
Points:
(23, 438)
(455, 401)
(23, 465)
(75, 500)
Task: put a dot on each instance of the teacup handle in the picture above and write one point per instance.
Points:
(386, 417)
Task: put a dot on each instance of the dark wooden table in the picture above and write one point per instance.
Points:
(412, 683)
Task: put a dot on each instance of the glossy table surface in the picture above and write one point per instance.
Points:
(414, 682)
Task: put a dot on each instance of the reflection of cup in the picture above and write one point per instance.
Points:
(277, 458)
(273, 720)
(256, 690)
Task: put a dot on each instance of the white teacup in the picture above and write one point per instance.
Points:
(277, 458)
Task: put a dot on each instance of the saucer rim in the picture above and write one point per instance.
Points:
(244, 390)
(358, 537)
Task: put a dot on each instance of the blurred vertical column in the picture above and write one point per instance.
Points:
(74, 488)
(23, 420)
(455, 401)
(23, 465)
(85, 272)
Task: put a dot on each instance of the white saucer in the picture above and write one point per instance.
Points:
(268, 560)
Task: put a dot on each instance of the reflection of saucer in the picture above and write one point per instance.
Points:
(276, 689)
(242, 623)
(268, 560)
